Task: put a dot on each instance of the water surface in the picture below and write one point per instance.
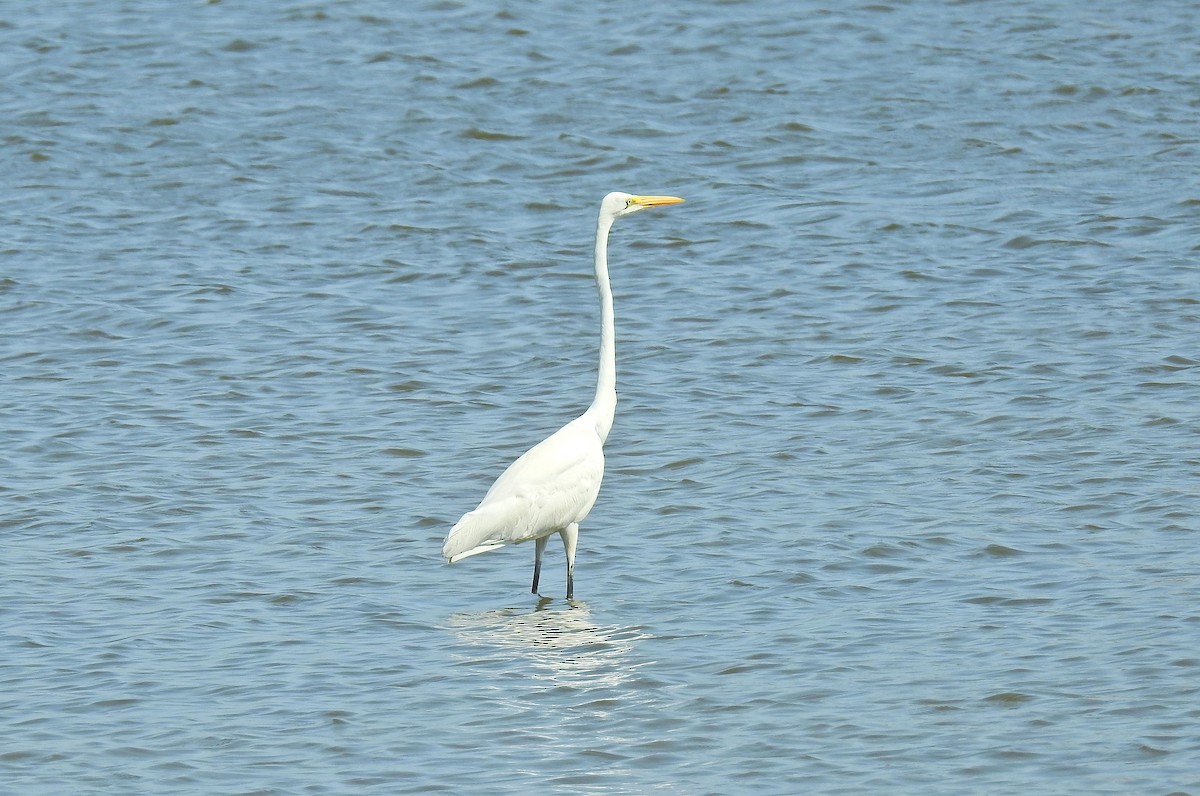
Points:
(901, 495)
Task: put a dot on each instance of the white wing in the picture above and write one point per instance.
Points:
(550, 486)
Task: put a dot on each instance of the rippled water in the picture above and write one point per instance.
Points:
(902, 492)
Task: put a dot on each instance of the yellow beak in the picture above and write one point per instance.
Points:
(655, 201)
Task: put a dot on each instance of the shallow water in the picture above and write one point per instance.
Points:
(901, 495)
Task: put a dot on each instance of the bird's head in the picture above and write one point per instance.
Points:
(618, 204)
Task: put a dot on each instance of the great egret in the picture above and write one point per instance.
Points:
(553, 485)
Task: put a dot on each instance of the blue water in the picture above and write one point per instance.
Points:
(902, 492)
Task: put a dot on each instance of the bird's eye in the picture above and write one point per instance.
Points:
(628, 202)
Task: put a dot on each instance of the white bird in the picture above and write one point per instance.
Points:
(554, 484)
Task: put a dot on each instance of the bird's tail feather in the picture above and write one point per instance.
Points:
(474, 551)
(471, 535)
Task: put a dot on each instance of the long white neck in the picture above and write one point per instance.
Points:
(604, 406)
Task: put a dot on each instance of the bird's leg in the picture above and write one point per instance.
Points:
(539, 547)
(570, 535)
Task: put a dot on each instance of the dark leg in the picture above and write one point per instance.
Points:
(570, 535)
(539, 547)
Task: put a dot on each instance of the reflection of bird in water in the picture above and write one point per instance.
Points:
(565, 646)
(553, 485)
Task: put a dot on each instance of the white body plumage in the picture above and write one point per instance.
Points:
(551, 486)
